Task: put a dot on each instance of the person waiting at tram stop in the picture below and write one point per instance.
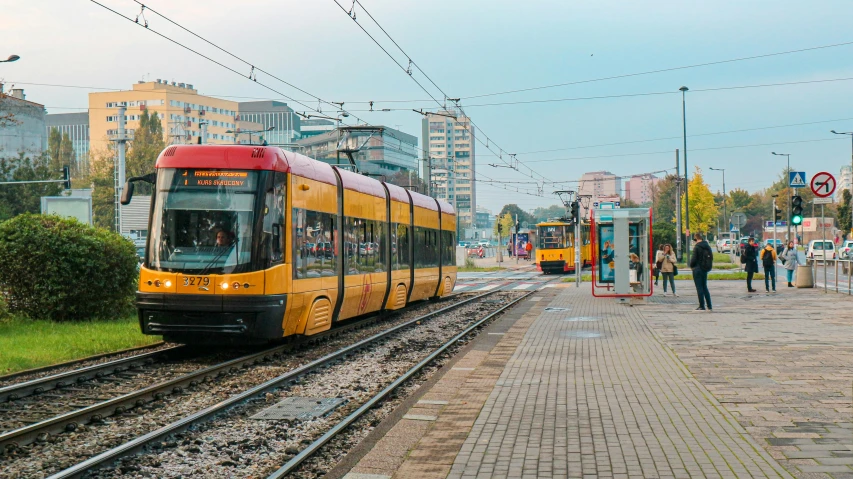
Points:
(750, 261)
(667, 261)
(768, 260)
(790, 260)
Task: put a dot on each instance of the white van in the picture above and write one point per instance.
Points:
(820, 249)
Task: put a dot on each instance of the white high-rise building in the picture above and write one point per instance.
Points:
(449, 144)
(844, 181)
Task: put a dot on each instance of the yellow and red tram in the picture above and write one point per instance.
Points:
(254, 243)
(555, 252)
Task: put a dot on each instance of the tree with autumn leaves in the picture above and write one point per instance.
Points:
(703, 208)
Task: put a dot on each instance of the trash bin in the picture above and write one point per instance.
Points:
(804, 276)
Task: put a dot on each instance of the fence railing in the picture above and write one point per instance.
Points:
(843, 264)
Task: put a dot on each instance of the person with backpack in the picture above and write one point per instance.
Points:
(768, 260)
(750, 260)
(790, 260)
(701, 262)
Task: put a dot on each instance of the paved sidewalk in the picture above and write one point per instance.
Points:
(584, 387)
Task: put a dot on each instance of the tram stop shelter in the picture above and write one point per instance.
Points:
(621, 248)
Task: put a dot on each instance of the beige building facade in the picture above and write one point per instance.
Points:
(178, 105)
(449, 144)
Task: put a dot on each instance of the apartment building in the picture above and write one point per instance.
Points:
(449, 143)
(639, 188)
(377, 150)
(285, 123)
(844, 181)
(22, 123)
(178, 105)
(599, 185)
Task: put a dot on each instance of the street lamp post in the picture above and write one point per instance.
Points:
(686, 174)
(725, 199)
(787, 171)
(850, 133)
(12, 58)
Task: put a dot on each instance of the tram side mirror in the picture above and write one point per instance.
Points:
(127, 193)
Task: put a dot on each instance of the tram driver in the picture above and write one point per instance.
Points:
(224, 238)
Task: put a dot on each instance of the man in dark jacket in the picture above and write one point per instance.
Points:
(750, 260)
(701, 262)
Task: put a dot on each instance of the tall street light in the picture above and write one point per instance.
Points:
(725, 200)
(12, 58)
(686, 180)
(787, 155)
(850, 133)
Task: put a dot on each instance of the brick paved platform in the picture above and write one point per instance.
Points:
(576, 386)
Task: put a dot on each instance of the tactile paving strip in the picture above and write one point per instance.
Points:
(299, 408)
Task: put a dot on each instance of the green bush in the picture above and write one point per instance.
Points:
(60, 269)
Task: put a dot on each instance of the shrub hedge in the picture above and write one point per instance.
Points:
(60, 269)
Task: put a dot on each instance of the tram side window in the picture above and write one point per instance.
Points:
(400, 246)
(447, 248)
(272, 239)
(426, 247)
(315, 245)
(364, 243)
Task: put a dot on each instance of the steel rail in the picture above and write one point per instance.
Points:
(66, 364)
(97, 412)
(58, 381)
(180, 425)
(315, 446)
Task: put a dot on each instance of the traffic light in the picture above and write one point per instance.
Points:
(66, 175)
(500, 228)
(796, 210)
(576, 211)
(517, 227)
(777, 214)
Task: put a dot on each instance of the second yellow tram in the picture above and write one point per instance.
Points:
(555, 252)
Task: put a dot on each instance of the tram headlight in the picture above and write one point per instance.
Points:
(224, 285)
(167, 284)
(235, 285)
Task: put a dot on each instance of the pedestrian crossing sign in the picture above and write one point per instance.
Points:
(797, 179)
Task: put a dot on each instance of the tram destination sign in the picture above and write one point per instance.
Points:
(228, 179)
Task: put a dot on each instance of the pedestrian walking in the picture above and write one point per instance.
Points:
(790, 260)
(658, 259)
(700, 263)
(750, 261)
(666, 260)
(768, 261)
(509, 248)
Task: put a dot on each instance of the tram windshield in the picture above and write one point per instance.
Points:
(555, 237)
(203, 221)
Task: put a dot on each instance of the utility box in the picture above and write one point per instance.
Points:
(805, 278)
(621, 249)
(68, 206)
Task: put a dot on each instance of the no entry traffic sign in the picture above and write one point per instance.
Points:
(823, 184)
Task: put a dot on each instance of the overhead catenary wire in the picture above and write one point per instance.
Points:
(206, 57)
(662, 70)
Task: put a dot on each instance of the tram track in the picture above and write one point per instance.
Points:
(26, 442)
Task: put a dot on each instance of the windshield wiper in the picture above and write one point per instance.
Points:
(214, 260)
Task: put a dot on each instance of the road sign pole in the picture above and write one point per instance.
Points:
(823, 230)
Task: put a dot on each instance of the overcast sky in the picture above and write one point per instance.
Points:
(477, 47)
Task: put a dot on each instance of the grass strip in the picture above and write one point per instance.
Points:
(711, 277)
(27, 344)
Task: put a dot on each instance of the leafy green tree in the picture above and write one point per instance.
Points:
(26, 198)
(519, 213)
(554, 211)
(626, 203)
(663, 193)
(507, 222)
(102, 169)
(663, 232)
(148, 142)
(703, 210)
(61, 151)
(843, 212)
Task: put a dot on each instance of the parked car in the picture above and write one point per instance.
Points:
(742, 245)
(484, 244)
(820, 249)
(464, 244)
(724, 246)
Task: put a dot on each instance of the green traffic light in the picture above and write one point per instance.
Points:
(796, 220)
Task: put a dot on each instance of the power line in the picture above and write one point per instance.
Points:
(692, 149)
(685, 67)
(146, 27)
